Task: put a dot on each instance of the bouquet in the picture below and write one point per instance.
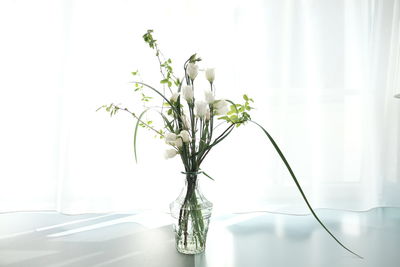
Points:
(192, 128)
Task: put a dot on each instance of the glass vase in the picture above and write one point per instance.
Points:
(191, 212)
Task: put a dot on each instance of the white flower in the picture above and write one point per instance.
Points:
(173, 140)
(210, 74)
(221, 107)
(187, 93)
(209, 96)
(192, 70)
(170, 138)
(185, 136)
(174, 97)
(178, 142)
(170, 153)
(201, 108)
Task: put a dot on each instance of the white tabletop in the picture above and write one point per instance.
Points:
(30, 239)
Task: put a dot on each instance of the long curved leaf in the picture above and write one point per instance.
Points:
(300, 189)
(136, 131)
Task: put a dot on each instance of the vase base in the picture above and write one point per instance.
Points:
(190, 251)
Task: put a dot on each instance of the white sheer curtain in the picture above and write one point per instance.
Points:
(323, 74)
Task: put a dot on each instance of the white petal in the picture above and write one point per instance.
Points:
(170, 153)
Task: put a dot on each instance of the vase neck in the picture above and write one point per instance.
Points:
(191, 177)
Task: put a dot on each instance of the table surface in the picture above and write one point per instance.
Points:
(30, 239)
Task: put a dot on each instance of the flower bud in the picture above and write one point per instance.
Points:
(187, 93)
(174, 97)
(170, 153)
(208, 114)
(209, 96)
(210, 74)
(185, 136)
(192, 70)
(201, 109)
(186, 122)
(178, 142)
(221, 107)
(170, 138)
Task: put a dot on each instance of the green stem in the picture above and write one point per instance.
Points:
(138, 118)
(216, 141)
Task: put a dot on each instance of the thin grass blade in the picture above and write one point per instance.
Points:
(136, 131)
(301, 190)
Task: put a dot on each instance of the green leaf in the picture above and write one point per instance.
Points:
(207, 175)
(167, 122)
(224, 118)
(233, 104)
(245, 97)
(300, 189)
(233, 118)
(164, 81)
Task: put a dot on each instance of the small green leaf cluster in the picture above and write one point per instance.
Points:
(148, 38)
(137, 85)
(112, 109)
(238, 113)
(165, 66)
(169, 76)
(145, 124)
(146, 98)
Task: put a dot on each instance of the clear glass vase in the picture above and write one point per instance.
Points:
(191, 212)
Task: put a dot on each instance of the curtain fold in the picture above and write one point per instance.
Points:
(323, 74)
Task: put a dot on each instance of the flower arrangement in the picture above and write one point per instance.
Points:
(190, 130)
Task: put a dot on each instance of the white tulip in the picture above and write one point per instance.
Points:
(221, 107)
(170, 138)
(210, 74)
(201, 108)
(174, 97)
(185, 136)
(192, 70)
(170, 153)
(209, 96)
(187, 93)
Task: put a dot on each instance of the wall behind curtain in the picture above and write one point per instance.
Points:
(323, 74)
